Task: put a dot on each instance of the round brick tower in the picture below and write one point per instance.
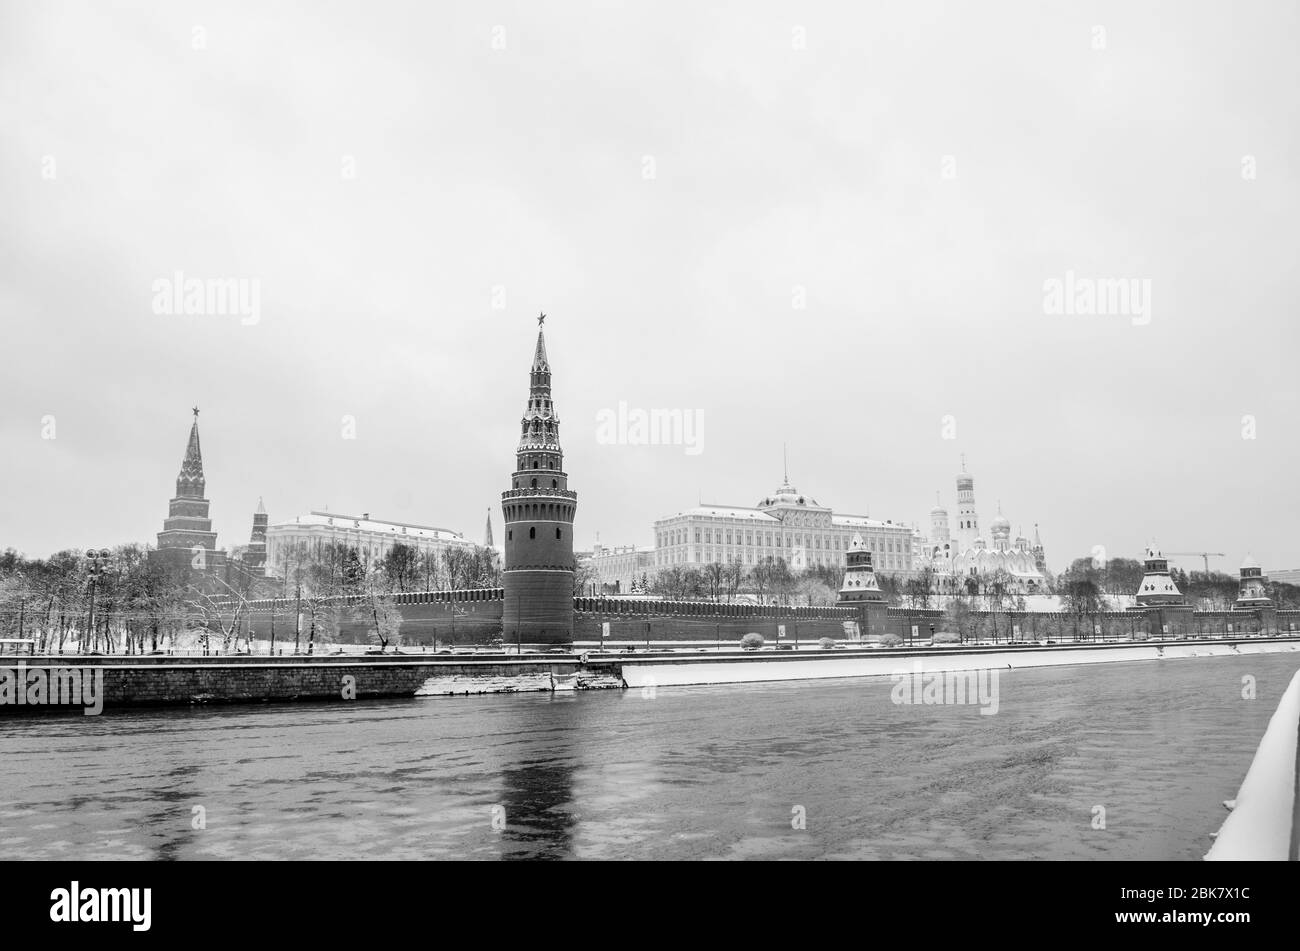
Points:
(537, 572)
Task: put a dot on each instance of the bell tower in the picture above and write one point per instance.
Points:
(537, 573)
(968, 521)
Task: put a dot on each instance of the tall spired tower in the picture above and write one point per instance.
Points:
(968, 522)
(537, 573)
(187, 539)
(255, 553)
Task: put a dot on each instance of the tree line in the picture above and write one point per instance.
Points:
(141, 605)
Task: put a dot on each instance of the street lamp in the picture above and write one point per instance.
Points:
(96, 568)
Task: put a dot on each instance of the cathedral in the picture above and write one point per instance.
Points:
(957, 557)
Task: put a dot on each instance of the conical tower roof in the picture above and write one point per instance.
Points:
(190, 481)
(539, 355)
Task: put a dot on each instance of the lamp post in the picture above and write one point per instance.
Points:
(96, 568)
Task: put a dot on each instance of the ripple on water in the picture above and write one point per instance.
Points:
(696, 773)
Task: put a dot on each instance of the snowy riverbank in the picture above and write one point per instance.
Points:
(764, 666)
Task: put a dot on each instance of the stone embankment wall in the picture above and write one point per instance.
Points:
(130, 681)
(1265, 820)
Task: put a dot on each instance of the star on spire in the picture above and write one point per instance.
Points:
(196, 412)
(541, 318)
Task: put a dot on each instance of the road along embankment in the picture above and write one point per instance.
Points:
(756, 666)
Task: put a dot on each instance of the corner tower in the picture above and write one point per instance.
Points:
(187, 539)
(538, 508)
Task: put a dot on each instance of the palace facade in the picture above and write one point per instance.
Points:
(786, 524)
(372, 537)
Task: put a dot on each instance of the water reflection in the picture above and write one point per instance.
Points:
(537, 796)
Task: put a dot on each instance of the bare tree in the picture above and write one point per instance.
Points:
(732, 576)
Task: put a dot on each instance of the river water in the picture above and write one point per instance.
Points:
(677, 773)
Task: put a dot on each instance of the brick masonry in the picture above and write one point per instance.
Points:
(478, 621)
(160, 681)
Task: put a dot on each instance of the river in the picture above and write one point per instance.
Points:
(722, 772)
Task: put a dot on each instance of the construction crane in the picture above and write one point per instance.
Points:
(1200, 554)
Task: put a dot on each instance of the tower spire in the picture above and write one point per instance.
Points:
(539, 355)
(187, 539)
(487, 536)
(255, 553)
(190, 482)
(538, 511)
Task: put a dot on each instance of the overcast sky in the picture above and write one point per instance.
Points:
(918, 170)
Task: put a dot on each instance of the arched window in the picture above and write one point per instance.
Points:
(557, 533)
(510, 536)
(555, 483)
(534, 463)
(534, 483)
(532, 532)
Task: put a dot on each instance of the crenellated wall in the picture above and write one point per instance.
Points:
(475, 617)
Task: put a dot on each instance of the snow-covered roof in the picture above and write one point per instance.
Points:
(861, 521)
(724, 511)
(353, 523)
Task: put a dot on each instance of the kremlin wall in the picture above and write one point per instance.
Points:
(428, 621)
(535, 608)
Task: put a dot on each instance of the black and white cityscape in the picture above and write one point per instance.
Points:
(661, 433)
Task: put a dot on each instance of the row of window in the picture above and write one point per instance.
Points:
(532, 533)
(555, 484)
(709, 556)
(555, 511)
(837, 542)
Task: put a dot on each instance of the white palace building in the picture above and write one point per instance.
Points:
(786, 524)
(373, 537)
